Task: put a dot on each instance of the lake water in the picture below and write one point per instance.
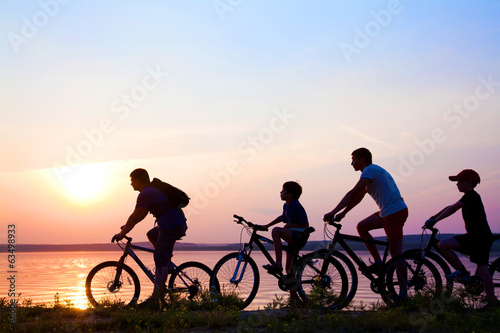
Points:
(42, 275)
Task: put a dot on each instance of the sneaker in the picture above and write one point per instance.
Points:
(272, 269)
(457, 275)
(374, 268)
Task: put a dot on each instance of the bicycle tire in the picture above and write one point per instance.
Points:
(427, 282)
(322, 280)
(190, 280)
(494, 270)
(437, 260)
(225, 268)
(99, 285)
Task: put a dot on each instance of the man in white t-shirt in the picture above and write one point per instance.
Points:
(393, 212)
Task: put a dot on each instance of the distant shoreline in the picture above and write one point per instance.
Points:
(410, 242)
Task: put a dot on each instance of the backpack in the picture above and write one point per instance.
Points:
(177, 198)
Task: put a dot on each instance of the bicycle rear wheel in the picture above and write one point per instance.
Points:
(495, 276)
(404, 272)
(110, 283)
(190, 280)
(323, 281)
(236, 278)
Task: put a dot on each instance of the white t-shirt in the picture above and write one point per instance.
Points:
(382, 188)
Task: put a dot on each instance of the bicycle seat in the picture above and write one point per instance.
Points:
(310, 230)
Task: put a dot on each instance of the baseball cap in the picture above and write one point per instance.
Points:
(467, 174)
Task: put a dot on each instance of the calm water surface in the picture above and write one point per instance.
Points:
(42, 275)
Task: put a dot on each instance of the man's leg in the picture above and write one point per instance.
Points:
(393, 226)
(153, 236)
(162, 256)
(370, 223)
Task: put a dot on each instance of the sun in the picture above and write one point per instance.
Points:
(86, 183)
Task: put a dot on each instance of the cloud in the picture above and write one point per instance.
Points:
(366, 137)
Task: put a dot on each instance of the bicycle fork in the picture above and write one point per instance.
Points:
(116, 285)
(238, 274)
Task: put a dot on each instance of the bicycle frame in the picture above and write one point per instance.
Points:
(129, 251)
(340, 238)
(247, 250)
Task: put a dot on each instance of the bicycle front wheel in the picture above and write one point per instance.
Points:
(236, 277)
(111, 283)
(410, 275)
(322, 281)
(190, 280)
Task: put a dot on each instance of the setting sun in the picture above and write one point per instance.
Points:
(86, 183)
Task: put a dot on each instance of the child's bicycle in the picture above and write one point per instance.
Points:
(430, 252)
(238, 274)
(113, 282)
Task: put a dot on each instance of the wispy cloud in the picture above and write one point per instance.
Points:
(366, 137)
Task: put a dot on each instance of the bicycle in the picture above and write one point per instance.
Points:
(472, 284)
(314, 276)
(114, 282)
(238, 274)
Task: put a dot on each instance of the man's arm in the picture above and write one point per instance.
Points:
(350, 200)
(137, 216)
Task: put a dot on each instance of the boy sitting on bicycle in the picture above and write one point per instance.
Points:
(478, 239)
(295, 218)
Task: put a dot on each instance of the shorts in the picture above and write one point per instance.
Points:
(299, 240)
(165, 245)
(478, 248)
(393, 224)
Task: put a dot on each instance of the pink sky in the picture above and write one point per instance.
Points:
(228, 106)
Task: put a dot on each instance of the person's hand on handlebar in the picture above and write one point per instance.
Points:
(429, 223)
(332, 217)
(116, 237)
(261, 227)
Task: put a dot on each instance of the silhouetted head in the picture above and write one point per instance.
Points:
(467, 174)
(363, 153)
(139, 178)
(294, 188)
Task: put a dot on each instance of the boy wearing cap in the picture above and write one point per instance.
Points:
(478, 239)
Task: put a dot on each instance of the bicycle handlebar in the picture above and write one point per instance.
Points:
(334, 222)
(240, 220)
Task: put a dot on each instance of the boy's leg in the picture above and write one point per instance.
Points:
(279, 234)
(370, 223)
(289, 260)
(447, 247)
(482, 271)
